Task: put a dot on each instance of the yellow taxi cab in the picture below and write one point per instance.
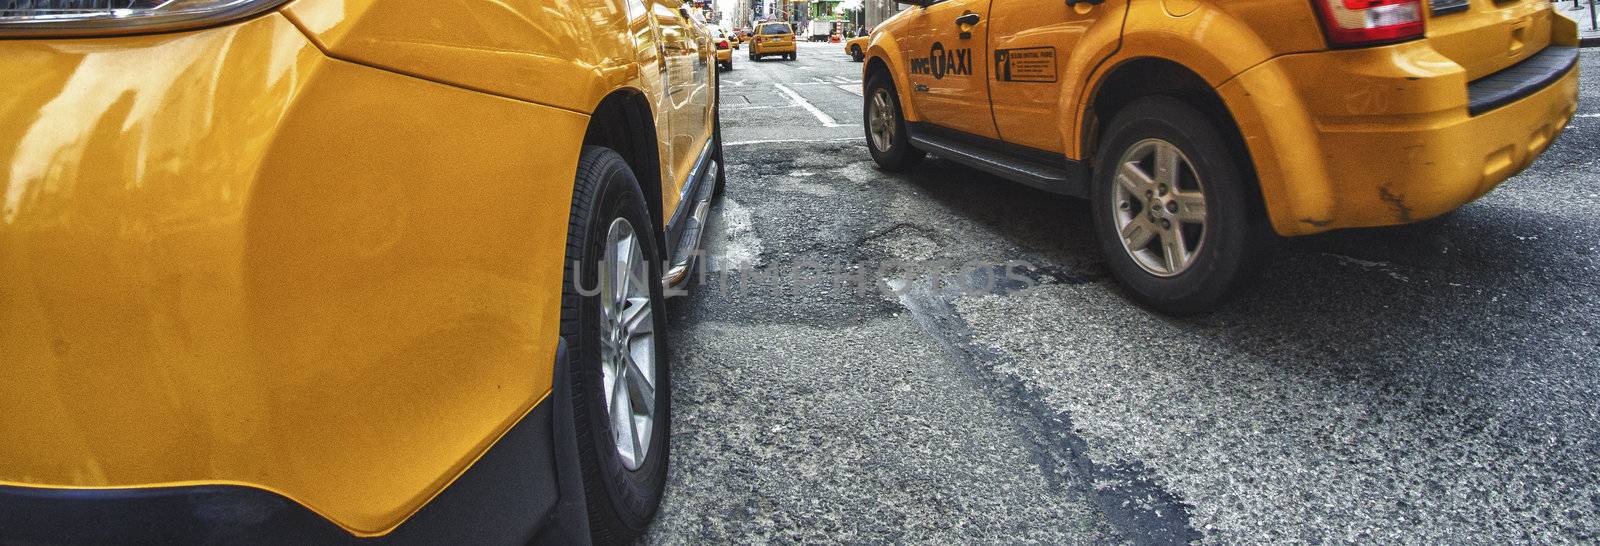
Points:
(336, 270)
(772, 38)
(1198, 129)
(856, 48)
(725, 47)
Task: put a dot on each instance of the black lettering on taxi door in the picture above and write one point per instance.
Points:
(941, 62)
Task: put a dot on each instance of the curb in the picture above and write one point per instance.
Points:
(1593, 41)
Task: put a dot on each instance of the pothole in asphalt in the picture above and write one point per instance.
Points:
(905, 242)
(732, 241)
(796, 183)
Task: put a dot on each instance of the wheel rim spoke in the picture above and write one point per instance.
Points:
(622, 423)
(1172, 250)
(1134, 181)
(1191, 207)
(1137, 234)
(640, 389)
(1167, 159)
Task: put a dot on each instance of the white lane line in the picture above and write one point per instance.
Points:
(856, 88)
(760, 107)
(745, 142)
(824, 118)
(1587, 116)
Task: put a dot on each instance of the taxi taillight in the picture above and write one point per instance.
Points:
(1353, 23)
(723, 44)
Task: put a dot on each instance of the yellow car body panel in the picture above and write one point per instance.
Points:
(316, 253)
(569, 55)
(887, 51)
(1409, 150)
(534, 51)
(180, 302)
(1309, 115)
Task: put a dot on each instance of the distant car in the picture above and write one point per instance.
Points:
(725, 48)
(856, 48)
(772, 38)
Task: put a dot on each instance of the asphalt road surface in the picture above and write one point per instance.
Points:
(1433, 383)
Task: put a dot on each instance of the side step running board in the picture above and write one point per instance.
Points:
(1056, 174)
(683, 253)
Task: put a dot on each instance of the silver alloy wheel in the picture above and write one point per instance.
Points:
(1160, 207)
(627, 343)
(881, 119)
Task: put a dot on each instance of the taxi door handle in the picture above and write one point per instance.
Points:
(968, 19)
(1090, 2)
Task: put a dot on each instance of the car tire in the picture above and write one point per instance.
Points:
(608, 207)
(892, 151)
(856, 55)
(1193, 234)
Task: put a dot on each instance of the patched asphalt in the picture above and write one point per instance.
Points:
(1431, 383)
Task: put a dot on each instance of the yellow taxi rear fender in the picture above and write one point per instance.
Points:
(256, 249)
(560, 53)
(1216, 43)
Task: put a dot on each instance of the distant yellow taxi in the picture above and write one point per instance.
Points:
(324, 270)
(725, 47)
(856, 48)
(772, 38)
(1199, 129)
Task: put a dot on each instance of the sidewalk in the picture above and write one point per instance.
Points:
(1587, 35)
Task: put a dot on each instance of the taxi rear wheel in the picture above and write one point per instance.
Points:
(1172, 207)
(612, 321)
(886, 127)
(855, 54)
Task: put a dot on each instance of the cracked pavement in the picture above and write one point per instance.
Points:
(1431, 383)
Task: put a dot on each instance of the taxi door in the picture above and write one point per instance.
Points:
(1040, 52)
(687, 89)
(948, 74)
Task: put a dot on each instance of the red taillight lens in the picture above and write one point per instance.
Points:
(1350, 23)
(723, 44)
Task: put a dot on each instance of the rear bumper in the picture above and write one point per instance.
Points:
(770, 48)
(1390, 135)
(525, 488)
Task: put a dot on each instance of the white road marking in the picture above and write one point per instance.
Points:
(1587, 116)
(853, 88)
(779, 140)
(759, 107)
(826, 120)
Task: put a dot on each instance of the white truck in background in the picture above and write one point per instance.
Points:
(819, 31)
